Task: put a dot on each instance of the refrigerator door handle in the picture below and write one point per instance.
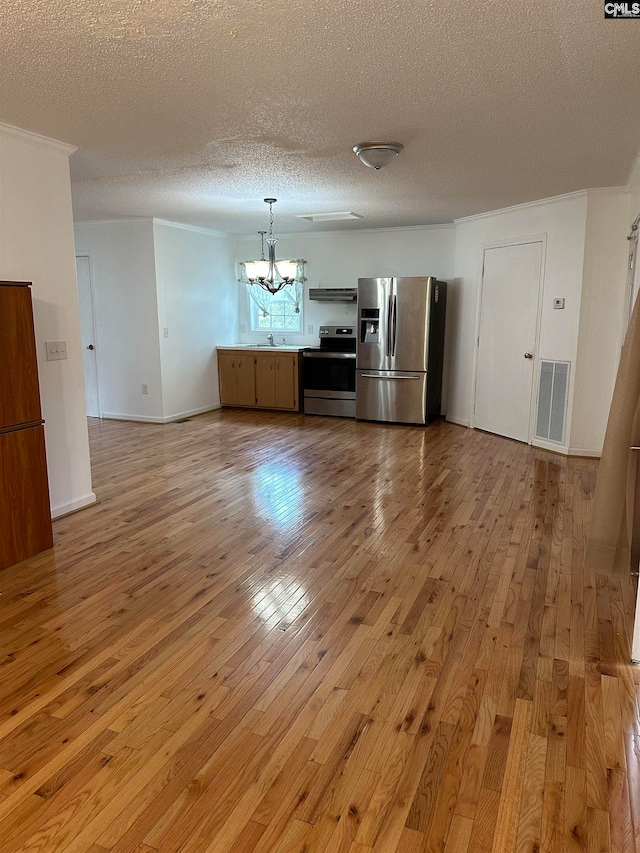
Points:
(389, 309)
(393, 321)
(389, 378)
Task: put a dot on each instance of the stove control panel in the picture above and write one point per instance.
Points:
(337, 332)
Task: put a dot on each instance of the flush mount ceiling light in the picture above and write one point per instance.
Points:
(375, 155)
(270, 274)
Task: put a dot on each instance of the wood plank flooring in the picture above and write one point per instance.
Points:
(279, 633)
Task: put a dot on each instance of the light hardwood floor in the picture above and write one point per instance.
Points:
(287, 634)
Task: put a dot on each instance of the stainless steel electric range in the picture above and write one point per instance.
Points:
(329, 373)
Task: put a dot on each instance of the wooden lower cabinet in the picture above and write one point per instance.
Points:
(261, 380)
(287, 381)
(237, 378)
(265, 382)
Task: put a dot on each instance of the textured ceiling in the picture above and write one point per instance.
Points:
(194, 110)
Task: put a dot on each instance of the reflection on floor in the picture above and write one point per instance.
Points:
(279, 633)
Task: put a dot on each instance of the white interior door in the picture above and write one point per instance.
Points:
(88, 337)
(507, 339)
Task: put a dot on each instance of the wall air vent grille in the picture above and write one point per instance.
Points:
(552, 400)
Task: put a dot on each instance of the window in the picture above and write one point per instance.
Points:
(278, 313)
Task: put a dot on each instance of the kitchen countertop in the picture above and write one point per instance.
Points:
(267, 347)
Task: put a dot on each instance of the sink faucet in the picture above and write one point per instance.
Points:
(270, 340)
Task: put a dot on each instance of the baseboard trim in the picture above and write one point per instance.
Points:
(581, 451)
(73, 506)
(551, 446)
(191, 412)
(545, 445)
(121, 416)
(146, 419)
(567, 451)
(458, 421)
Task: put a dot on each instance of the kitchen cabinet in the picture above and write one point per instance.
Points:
(277, 381)
(25, 519)
(262, 380)
(237, 378)
(265, 382)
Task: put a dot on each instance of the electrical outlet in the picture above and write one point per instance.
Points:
(166, 331)
(145, 389)
(309, 329)
(56, 350)
(243, 328)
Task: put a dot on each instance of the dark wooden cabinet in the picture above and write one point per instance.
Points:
(25, 515)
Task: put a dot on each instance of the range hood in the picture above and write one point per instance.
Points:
(333, 294)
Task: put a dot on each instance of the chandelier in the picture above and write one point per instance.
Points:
(270, 274)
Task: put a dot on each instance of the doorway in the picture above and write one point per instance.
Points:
(507, 338)
(88, 337)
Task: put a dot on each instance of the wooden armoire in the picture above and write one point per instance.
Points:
(25, 514)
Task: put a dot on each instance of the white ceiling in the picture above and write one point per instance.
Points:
(195, 110)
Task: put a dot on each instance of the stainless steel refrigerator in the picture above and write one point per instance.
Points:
(400, 349)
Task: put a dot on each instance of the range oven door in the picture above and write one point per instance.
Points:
(329, 374)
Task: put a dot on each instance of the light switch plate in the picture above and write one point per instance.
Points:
(558, 302)
(56, 350)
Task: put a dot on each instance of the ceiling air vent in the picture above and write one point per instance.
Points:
(333, 294)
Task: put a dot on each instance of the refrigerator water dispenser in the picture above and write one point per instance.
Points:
(370, 325)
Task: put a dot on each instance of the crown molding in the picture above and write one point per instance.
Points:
(37, 139)
(593, 191)
(353, 231)
(596, 191)
(523, 206)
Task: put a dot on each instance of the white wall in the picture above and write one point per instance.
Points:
(126, 312)
(562, 221)
(339, 259)
(148, 275)
(602, 316)
(36, 244)
(198, 306)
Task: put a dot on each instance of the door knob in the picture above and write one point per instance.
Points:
(528, 355)
(90, 346)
